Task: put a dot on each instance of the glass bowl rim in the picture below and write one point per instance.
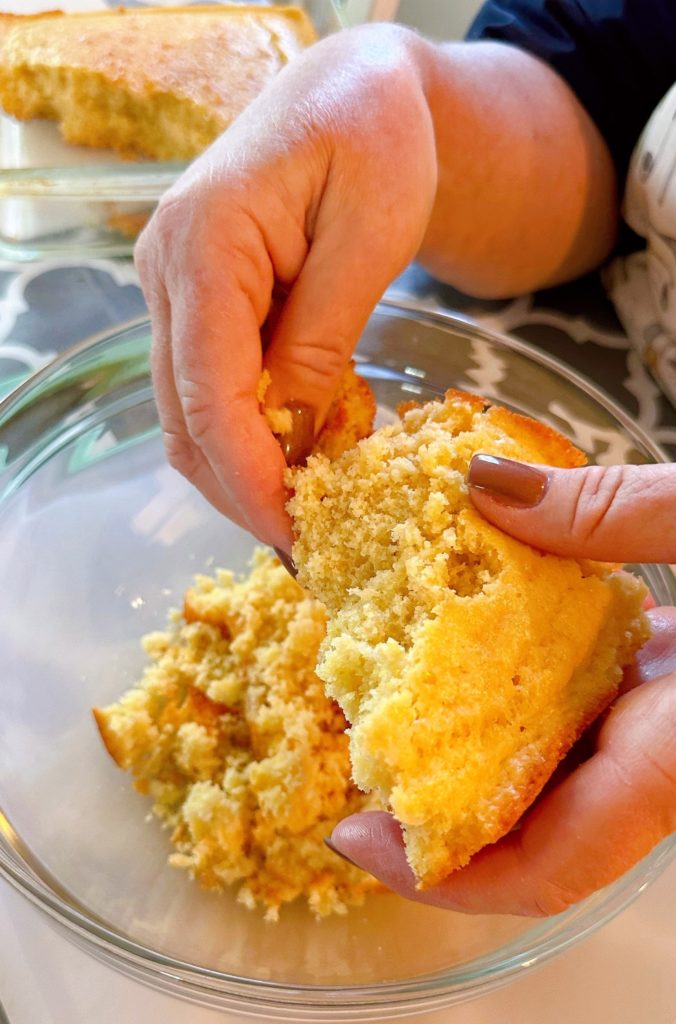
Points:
(437, 989)
(399, 305)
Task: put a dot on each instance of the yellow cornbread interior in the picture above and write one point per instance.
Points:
(467, 663)
(246, 759)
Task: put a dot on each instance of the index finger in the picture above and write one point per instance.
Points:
(217, 362)
(612, 514)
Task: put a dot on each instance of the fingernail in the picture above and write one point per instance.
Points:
(334, 849)
(287, 561)
(299, 442)
(508, 482)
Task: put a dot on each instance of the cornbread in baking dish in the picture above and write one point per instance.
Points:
(156, 82)
(466, 662)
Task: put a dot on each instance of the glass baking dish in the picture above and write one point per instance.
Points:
(60, 199)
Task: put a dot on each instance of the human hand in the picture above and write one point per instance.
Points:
(615, 514)
(313, 195)
(612, 809)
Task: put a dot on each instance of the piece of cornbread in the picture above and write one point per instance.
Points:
(466, 662)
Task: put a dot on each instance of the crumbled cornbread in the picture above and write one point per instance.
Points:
(467, 663)
(280, 421)
(245, 758)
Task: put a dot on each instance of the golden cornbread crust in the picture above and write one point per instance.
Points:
(246, 759)
(466, 662)
(158, 82)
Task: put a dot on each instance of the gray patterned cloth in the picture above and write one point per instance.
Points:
(45, 307)
(642, 285)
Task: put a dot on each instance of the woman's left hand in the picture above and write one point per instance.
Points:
(611, 810)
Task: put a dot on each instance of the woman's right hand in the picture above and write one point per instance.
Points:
(372, 147)
(320, 192)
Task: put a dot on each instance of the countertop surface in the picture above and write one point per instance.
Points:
(624, 974)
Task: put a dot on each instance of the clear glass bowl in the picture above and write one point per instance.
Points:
(98, 539)
(58, 199)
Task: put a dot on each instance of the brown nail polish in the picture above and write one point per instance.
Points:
(508, 482)
(287, 561)
(334, 849)
(299, 442)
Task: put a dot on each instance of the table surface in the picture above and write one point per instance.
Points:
(624, 973)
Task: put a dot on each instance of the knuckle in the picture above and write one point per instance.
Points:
(641, 730)
(145, 252)
(199, 420)
(172, 220)
(170, 216)
(551, 898)
(594, 502)
(664, 778)
(181, 453)
(252, 269)
(545, 896)
(319, 363)
(178, 222)
(199, 402)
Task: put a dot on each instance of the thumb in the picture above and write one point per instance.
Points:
(323, 317)
(614, 514)
(355, 254)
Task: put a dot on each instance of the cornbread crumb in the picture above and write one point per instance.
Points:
(280, 421)
(245, 758)
(466, 662)
(350, 416)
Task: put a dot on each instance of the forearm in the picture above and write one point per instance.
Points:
(526, 192)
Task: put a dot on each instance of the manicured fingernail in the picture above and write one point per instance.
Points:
(287, 561)
(508, 482)
(334, 849)
(299, 442)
